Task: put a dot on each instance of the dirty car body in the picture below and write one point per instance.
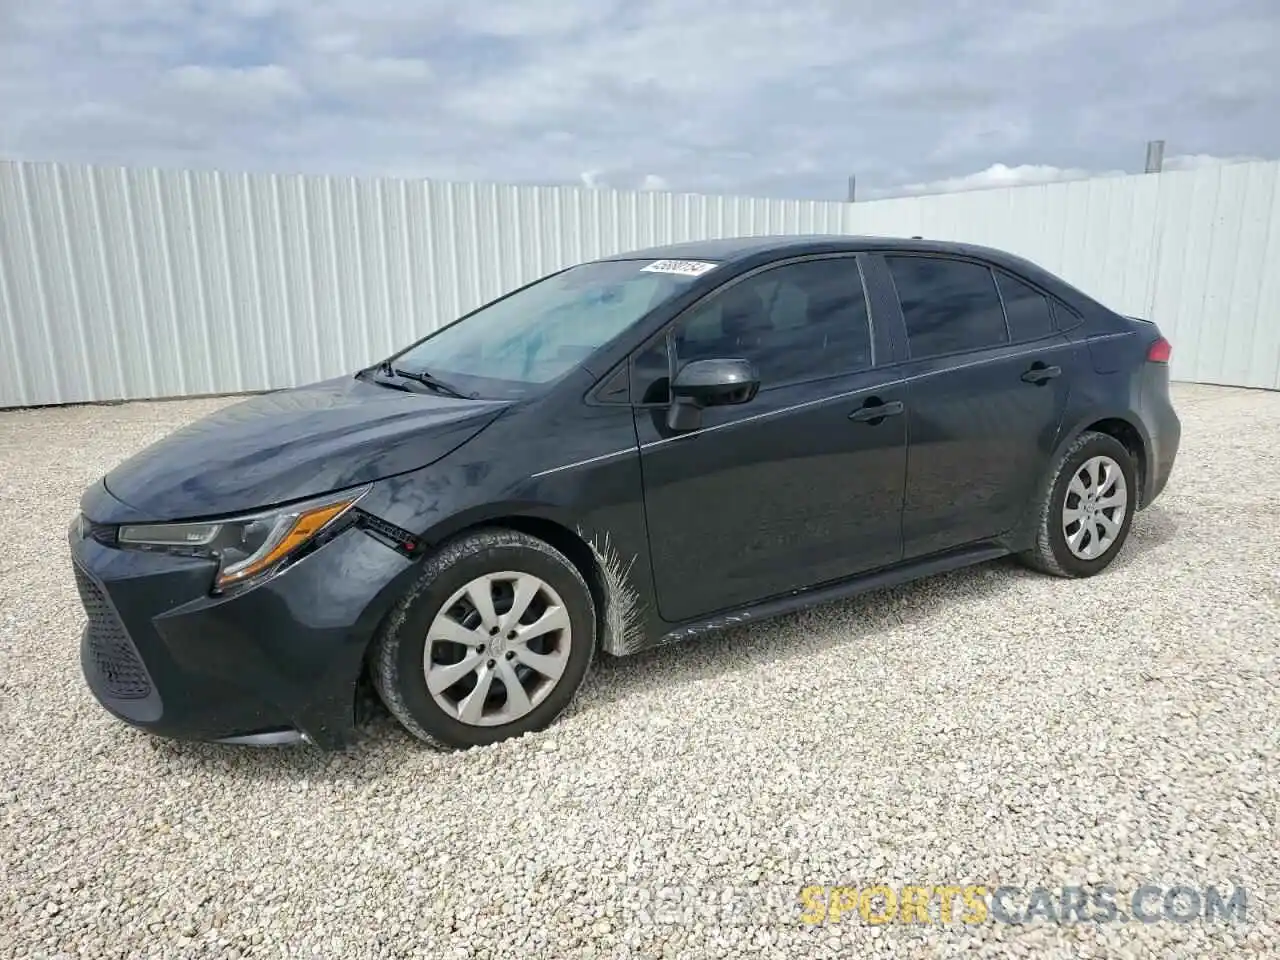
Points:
(709, 434)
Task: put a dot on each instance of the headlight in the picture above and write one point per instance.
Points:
(244, 546)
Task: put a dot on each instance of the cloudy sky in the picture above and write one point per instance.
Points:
(721, 96)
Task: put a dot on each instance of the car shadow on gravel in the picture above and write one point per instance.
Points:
(840, 624)
(830, 626)
(381, 746)
(1151, 530)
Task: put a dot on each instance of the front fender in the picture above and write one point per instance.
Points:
(593, 513)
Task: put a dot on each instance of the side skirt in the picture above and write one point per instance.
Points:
(828, 593)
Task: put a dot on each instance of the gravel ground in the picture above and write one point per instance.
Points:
(991, 727)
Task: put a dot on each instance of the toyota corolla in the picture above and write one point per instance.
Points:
(629, 452)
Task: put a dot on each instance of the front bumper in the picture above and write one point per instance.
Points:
(276, 662)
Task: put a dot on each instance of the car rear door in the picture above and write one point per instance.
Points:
(988, 381)
(784, 491)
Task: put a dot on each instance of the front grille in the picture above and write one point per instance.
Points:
(112, 652)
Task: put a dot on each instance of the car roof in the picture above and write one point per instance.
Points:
(729, 249)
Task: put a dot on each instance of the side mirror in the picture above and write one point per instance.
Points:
(710, 383)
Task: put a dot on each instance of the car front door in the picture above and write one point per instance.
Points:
(988, 382)
(786, 490)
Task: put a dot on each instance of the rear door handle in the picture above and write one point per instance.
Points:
(873, 411)
(1039, 373)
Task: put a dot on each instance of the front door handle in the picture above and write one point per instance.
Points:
(1039, 373)
(873, 411)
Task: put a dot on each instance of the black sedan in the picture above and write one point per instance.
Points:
(628, 452)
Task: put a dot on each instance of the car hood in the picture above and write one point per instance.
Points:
(293, 444)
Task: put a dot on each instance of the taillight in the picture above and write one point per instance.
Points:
(1159, 351)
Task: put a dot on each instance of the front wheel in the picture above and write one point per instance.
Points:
(491, 641)
(1085, 515)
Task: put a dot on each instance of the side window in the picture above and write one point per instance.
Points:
(949, 306)
(651, 374)
(1064, 317)
(1030, 317)
(801, 321)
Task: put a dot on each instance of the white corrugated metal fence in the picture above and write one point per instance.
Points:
(125, 284)
(1196, 251)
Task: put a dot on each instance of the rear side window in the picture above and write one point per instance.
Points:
(1030, 316)
(950, 306)
(1064, 317)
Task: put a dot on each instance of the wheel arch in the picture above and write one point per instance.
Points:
(568, 542)
(1124, 427)
(1121, 425)
(614, 598)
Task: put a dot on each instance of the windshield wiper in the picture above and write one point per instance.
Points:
(422, 377)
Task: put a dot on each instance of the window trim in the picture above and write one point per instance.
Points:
(1057, 306)
(669, 326)
(1004, 310)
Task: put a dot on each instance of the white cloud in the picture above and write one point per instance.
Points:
(242, 86)
(988, 131)
(1197, 161)
(1028, 174)
(996, 175)
(375, 83)
(253, 8)
(652, 181)
(735, 96)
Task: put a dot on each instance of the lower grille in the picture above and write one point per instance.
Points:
(113, 654)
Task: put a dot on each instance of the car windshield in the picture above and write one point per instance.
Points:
(510, 347)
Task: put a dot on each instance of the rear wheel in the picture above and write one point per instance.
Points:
(1085, 514)
(492, 641)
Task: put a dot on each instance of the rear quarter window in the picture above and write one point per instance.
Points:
(1027, 309)
(1064, 317)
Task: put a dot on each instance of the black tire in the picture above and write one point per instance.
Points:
(396, 659)
(1050, 553)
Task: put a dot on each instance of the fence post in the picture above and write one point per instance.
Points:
(1155, 156)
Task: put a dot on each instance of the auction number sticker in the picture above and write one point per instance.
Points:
(686, 268)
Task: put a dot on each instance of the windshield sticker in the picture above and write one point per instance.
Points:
(686, 268)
